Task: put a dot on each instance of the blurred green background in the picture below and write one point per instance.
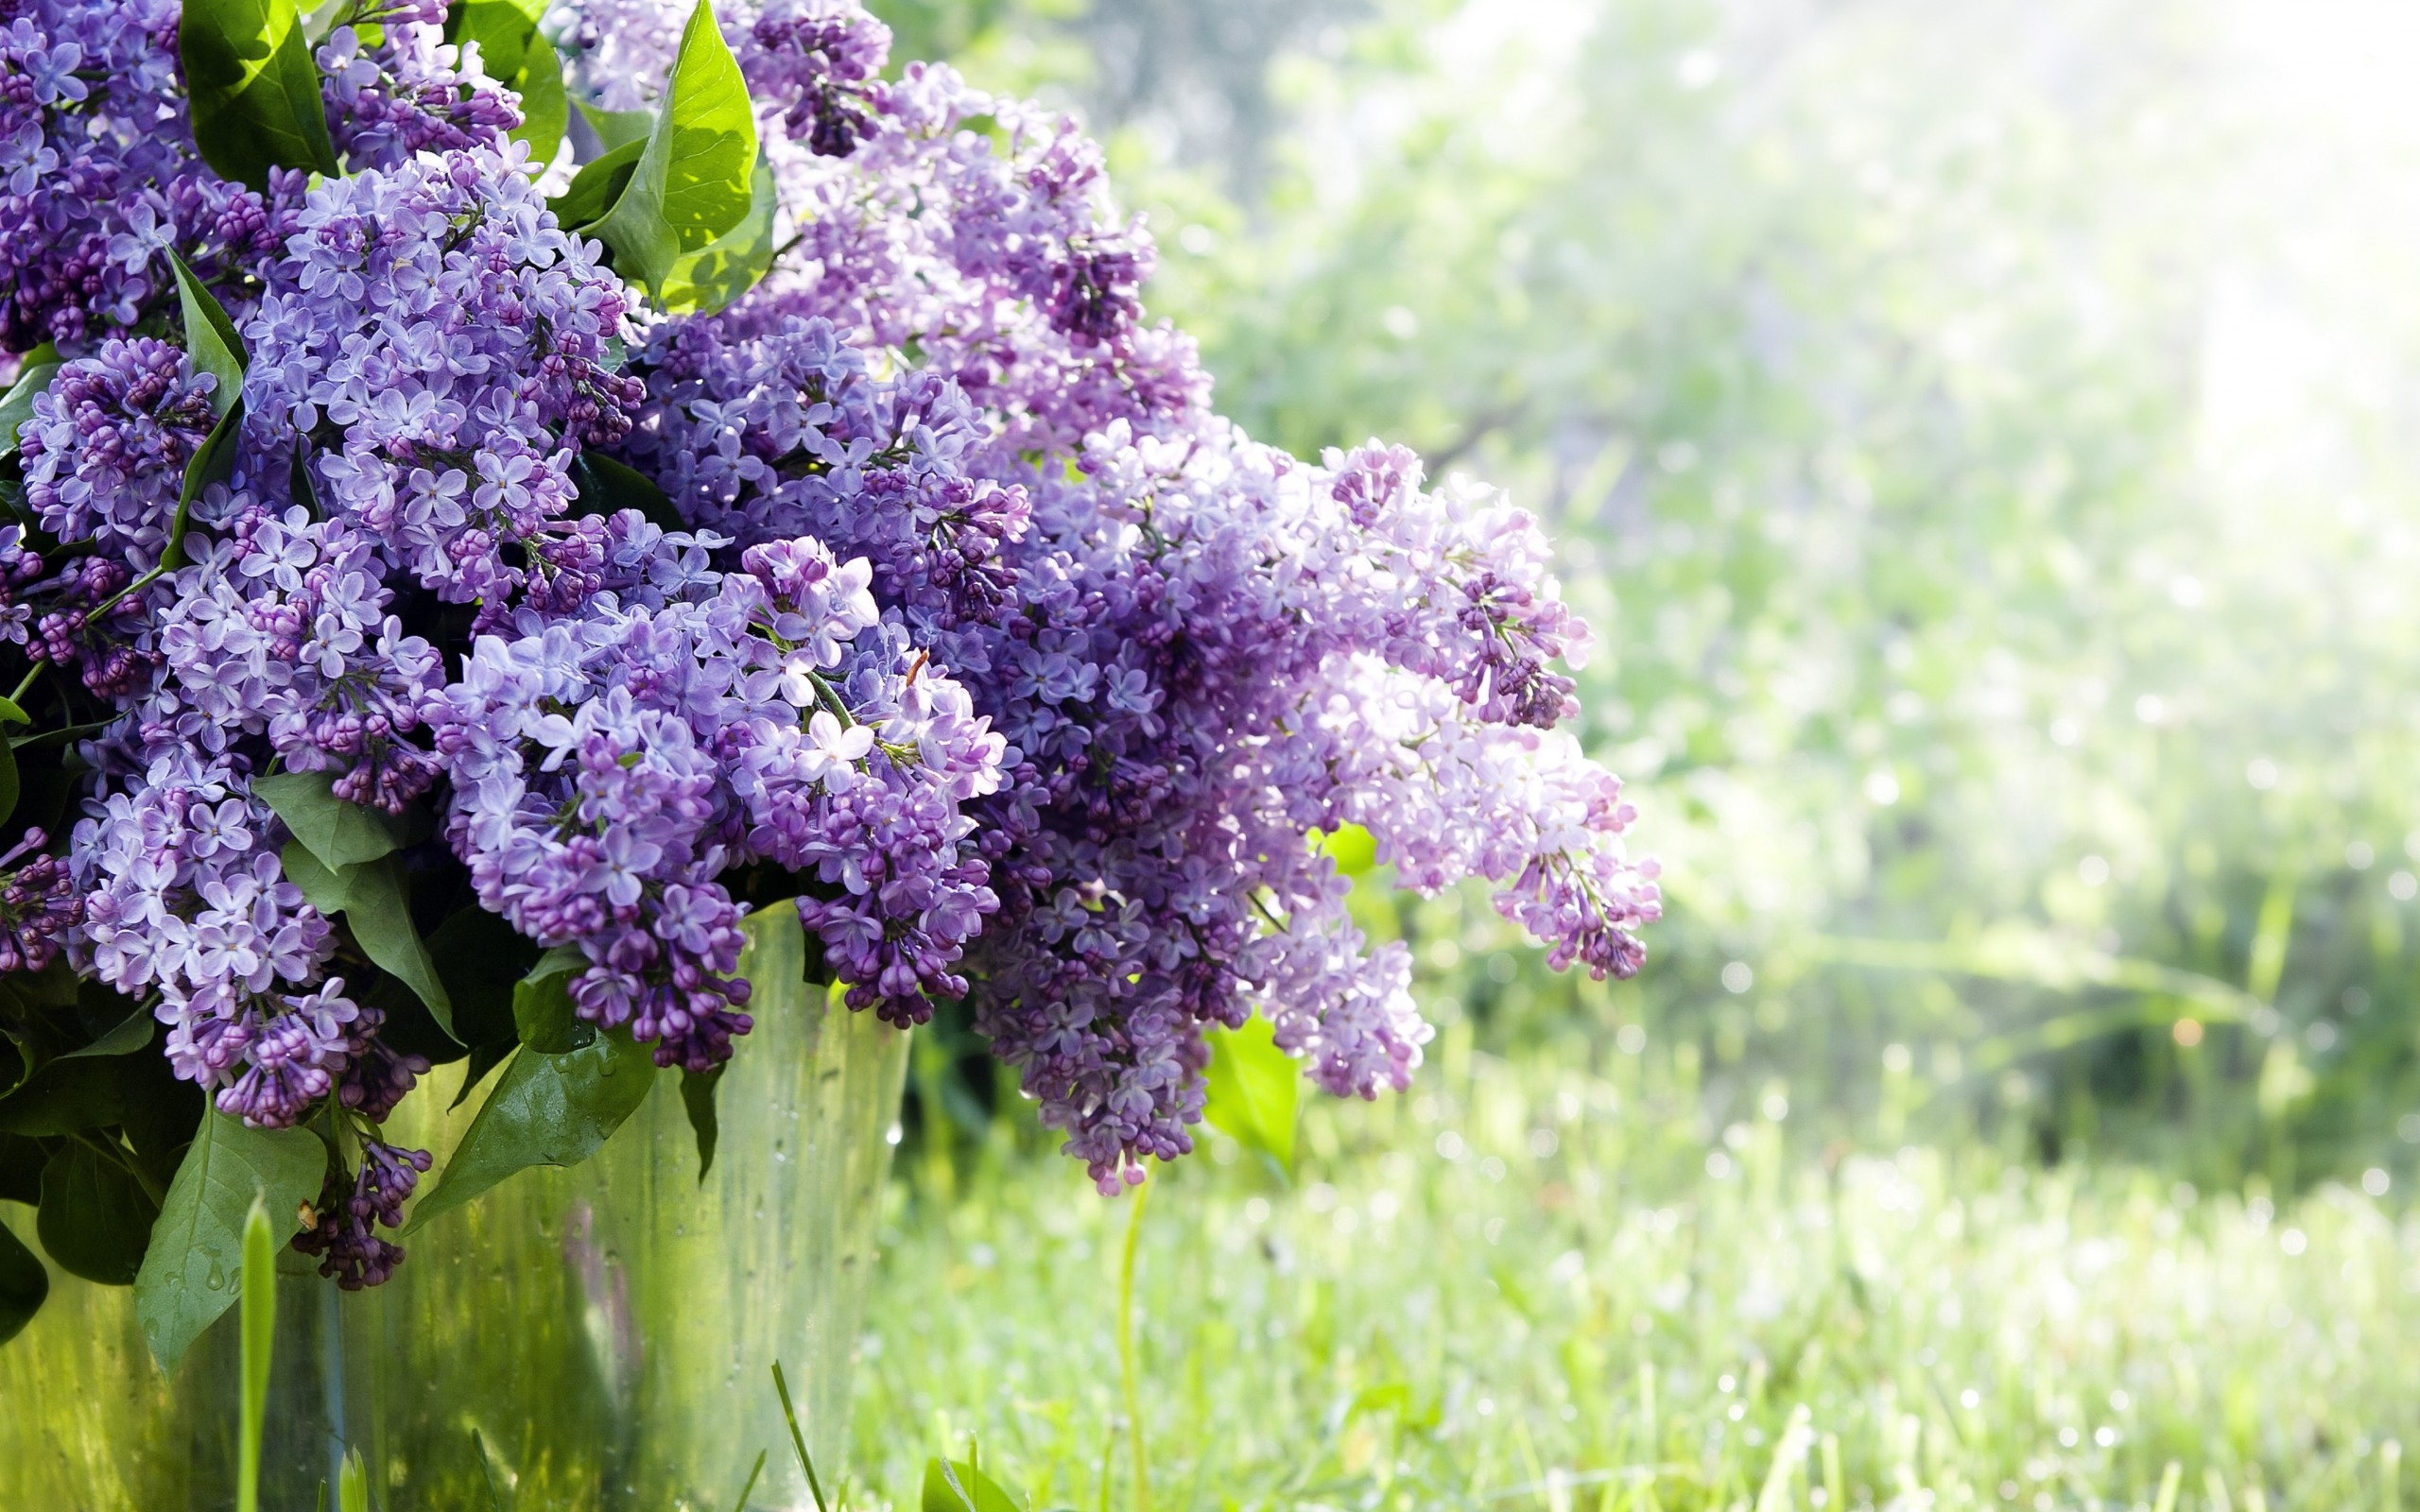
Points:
(1982, 435)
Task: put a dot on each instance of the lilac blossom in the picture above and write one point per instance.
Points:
(1031, 680)
(99, 177)
(405, 91)
(346, 1219)
(441, 349)
(106, 448)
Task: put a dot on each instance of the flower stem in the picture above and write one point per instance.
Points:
(1126, 1350)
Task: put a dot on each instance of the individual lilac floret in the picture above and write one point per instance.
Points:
(445, 350)
(106, 448)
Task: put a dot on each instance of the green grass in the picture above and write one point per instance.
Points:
(1546, 1284)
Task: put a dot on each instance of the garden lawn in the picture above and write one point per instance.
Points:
(1545, 1284)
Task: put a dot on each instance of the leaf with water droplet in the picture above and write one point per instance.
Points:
(198, 1240)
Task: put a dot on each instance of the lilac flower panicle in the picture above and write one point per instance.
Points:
(977, 632)
(98, 178)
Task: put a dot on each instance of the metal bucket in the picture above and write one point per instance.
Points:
(600, 1337)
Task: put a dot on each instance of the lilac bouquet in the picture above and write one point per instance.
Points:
(493, 497)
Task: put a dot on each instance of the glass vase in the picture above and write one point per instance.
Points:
(597, 1337)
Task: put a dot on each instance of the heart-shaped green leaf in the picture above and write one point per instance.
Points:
(190, 1274)
(254, 90)
(595, 188)
(694, 179)
(371, 897)
(546, 1110)
(704, 281)
(338, 831)
(617, 128)
(542, 1014)
(95, 1218)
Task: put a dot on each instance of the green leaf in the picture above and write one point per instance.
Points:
(954, 1485)
(338, 832)
(705, 280)
(546, 1110)
(24, 1284)
(9, 780)
(211, 462)
(14, 713)
(617, 128)
(189, 1275)
(697, 1096)
(595, 188)
(254, 90)
(546, 106)
(17, 405)
(128, 1035)
(1254, 1088)
(694, 179)
(607, 487)
(542, 1014)
(211, 340)
(95, 1218)
(65, 1097)
(377, 907)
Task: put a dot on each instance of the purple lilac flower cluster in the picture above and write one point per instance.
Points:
(405, 91)
(1202, 651)
(1031, 680)
(98, 178)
